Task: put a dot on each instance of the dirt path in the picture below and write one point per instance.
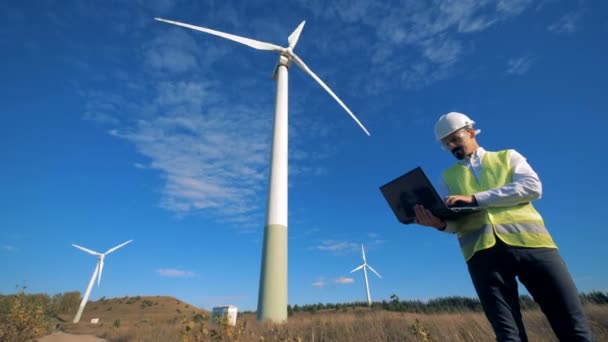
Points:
(63, 337)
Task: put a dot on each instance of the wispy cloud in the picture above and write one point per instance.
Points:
(320, 283)
(8, 248)
(211, 154)
(102, 106)
(513, 7)
(343, 280)
(569, 23)
(140, 166)
(519, 66)
(173, 50)
(441, 51)
(337, 246)
(432, 37)
(175, 273)
(344, 247)
(213, 160)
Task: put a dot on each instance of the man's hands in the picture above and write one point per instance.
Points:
(461, 201)
(426, 218)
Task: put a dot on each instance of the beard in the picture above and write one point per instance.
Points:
(459, 152)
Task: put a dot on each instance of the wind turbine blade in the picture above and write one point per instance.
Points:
(363, 253)
(86, 250)
(117, 247)
(249, 42)
(100, 270)
(303, 66)
(295, 35)
(373, 270)
(358, 268)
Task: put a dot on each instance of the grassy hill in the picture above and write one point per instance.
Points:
(131, 312)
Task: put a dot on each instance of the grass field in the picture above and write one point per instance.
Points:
(167, 319)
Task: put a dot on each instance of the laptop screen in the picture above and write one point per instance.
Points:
(412, 188)
(408, 190)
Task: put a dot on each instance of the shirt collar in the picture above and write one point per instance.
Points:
(477, 155)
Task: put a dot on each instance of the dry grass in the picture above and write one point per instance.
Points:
(395, 326)
(141, 313)
(162, 322)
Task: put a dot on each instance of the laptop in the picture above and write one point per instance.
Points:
(414, 187)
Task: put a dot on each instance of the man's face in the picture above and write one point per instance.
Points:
(458, 143)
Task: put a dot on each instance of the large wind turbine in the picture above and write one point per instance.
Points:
(365, 266)
(96, 273)
(272, 297)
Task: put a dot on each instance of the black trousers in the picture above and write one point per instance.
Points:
(544, 274)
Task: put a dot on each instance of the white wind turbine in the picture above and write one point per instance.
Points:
(272, 297)
(365, 266)
(96, 273)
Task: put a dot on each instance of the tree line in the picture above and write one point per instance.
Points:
(451, 304)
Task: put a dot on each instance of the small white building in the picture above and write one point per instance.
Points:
(229, 311)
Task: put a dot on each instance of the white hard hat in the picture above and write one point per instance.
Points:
(450, 123)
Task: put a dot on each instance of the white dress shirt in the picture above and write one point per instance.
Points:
(525, 187)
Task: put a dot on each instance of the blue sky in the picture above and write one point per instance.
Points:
(118, 127)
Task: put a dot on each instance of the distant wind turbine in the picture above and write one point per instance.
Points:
(96, 273)
(365, 266)
(272, 297)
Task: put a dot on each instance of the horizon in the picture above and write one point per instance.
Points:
(430, 301)
(120, 127)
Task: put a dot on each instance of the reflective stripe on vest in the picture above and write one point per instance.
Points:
(519, 225)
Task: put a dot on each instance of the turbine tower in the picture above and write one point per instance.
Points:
(96, 273)
(365, 266)
(272, 296)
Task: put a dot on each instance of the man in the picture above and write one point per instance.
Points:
(507, 239)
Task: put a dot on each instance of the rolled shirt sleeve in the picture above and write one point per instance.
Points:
(525, 187)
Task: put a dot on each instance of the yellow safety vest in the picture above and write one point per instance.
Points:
(519, 225)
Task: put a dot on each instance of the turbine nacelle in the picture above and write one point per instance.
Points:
(100, 258)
